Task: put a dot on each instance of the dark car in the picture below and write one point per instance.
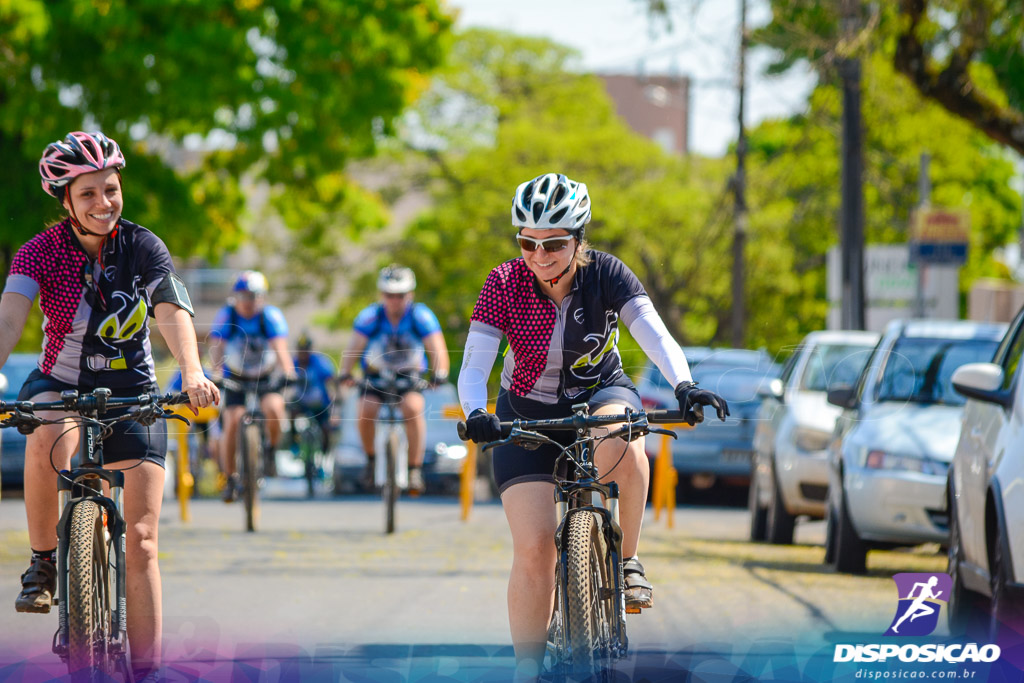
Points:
(714, 450)
(12, 442)
(445, 452)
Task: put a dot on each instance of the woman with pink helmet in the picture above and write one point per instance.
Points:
(99, 278)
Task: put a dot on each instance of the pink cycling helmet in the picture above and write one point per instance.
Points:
(77, 153)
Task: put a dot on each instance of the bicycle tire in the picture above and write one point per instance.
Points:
(250, 443)
(309, 445)
(89, 601)
(390, 489)
(588, 578)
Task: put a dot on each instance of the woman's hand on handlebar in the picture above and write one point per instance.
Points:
(483, 427)
(201, 391)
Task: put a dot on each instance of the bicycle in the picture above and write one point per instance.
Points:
(92, 633)
(253, 450)
(309, 438)
(587, 633)
(391, 472)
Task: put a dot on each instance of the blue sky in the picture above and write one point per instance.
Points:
(616, 36)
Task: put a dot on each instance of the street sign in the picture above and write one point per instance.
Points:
(939, 236)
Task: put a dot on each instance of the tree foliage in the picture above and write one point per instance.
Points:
(966, 55)
(284, 93)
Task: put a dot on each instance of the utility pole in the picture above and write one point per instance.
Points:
(852, 210)
(739, 235)
(924, 197)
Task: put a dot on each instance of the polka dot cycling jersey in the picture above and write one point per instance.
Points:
(95, 312)
(559, 352)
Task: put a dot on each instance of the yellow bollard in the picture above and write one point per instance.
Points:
(666, 477)
(467, 478)
(186, 482)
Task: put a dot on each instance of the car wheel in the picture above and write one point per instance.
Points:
(963, 613)
(758, 514)
(1007, 609)
(780, 522)
(850, 551)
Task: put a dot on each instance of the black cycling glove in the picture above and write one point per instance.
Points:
(483, 427)
(692, 401)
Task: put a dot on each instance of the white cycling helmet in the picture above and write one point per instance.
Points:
(395, 279)
(551, 202)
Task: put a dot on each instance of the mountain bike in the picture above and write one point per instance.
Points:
(309, 439)
(391, 469)
(587, 633)
(92, 635)
(253, 448)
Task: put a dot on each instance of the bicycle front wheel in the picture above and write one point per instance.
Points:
(250, 442)
(591, 596)
(89, 598)
(390, 489)
(309, 445)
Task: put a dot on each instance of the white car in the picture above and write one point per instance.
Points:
(794, 427)
(895, 438)
(986, 486)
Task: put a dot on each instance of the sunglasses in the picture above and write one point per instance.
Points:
(550, 245)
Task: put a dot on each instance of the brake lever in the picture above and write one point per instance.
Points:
(666, 432)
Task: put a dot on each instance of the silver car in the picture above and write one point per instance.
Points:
(794, 427)
(986, 503)
(895, 438)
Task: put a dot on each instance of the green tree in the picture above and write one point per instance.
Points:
(966, 55)
(285, 94)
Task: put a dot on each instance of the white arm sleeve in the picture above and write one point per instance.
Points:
(647, 327)
(477, 360)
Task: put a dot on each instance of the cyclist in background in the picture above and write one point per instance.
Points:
(559, 305)
(99, 278)
(313, 396)
(398, 335)
(249, 341)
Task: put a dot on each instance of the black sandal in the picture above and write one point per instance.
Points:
(639, 591)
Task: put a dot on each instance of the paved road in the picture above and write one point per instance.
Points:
(320, 581)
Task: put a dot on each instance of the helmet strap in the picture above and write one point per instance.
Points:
(555, 280)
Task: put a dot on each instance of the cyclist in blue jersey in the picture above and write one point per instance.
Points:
(559, 305)
(397, 335)
(313, 396)
(100, 279)
(249, 341)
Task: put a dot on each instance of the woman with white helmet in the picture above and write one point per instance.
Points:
(559, 305)
(99, 278)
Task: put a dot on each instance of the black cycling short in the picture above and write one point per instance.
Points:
(129, 440)
(515, 464)
(269, 385)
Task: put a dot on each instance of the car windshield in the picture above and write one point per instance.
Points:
(735, 385)
(919, 370)
(16, 370)
(833, 365)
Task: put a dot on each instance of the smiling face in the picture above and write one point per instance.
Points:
(95, 200)
(544, 265)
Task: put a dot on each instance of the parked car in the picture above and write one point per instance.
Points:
(12, 442)
(895, 438)
(714, 450)
(445, 452)
(793, 429)
(986, 506)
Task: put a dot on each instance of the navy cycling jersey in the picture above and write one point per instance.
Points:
(95, 324)
(559, 352)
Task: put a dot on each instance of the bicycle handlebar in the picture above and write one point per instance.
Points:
(639, 419)
(22, 413)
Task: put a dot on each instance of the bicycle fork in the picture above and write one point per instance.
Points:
(73, 491)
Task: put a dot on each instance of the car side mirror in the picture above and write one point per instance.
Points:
(843, 396)
(771, 388)
(982, 382)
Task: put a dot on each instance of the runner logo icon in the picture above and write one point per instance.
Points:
(921, 597)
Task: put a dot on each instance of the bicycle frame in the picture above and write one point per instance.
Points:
(76, 486)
